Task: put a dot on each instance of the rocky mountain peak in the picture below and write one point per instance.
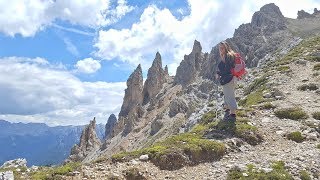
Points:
(303, 14)
(197, 48)
(269, 15)
(316, 11)
(155, 79)
(112, 121)
(89, 142)
(133, 93)
(187, 70)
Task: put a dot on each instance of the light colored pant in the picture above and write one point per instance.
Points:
(229, 94)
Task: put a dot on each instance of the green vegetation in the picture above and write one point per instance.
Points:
(318, 146)
(241, 128)
(256, 84)
(316, 67)
(253, 98)
(268, 105)
(283, 68)
(208, 117)
(45, 173)
(304, 175)
(316, 115)
(291, 113)
(183, 149)
(278, 173)
(310, 87)
(296, 136)
(133, 174)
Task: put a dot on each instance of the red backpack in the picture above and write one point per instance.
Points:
(239, 67)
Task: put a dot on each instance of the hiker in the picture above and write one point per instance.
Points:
(227, 80)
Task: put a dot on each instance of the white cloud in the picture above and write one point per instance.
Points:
(71, 47)
(26, 17)
(208, 21)
(88, 65)
(33, 90)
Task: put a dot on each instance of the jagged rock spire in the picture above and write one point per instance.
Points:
(197, 48)
(155, 79)
(166, 71)
(112, 121)
(133, 93)
(187, 70)
(89, 142)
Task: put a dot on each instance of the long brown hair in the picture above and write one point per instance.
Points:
(229, 53)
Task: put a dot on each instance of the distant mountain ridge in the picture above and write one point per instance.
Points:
(39, 143)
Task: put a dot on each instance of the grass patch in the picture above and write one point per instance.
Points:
(45, 173)
(256, 84)
(268, 105)
(296, 136)
(252, 99)
(241, 129)
(316, 67)
(316, 115)
(310, 87)
(208, 117)
(318, 146)
(283, 68)
(291, 113)
(278, 173)
(179, 150)
(304, 175)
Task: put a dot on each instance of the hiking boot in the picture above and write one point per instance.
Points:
(226, 114)
(232, 118)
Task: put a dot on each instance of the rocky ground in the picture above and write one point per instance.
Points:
(275, 147)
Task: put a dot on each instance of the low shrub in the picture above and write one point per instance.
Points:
(278, 173)
(291, 113)
(296, 136)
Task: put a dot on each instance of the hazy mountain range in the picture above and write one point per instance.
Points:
(39, 143)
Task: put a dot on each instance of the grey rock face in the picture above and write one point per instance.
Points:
(302, 14)
(187, 70)
(155, 127)
(178, 106)
(112, 120)
(269, 16)
(133, 93)
(89, 142)
(166, 71)
(155, 79)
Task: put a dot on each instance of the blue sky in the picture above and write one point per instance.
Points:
(64, 62)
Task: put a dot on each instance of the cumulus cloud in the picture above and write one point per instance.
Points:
(158, 29)
(26, 17)
(37, 91)
(88, 66)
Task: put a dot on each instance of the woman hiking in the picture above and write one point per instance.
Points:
(227, 80)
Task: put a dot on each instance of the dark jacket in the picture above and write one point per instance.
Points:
(224, 70)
